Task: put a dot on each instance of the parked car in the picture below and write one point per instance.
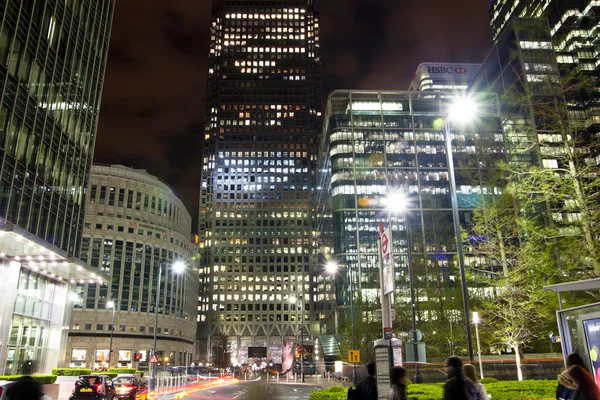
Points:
(130, 388)
(4, 386)
(94, 387)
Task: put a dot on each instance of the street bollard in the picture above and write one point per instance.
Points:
(277, 377)
(267, 377)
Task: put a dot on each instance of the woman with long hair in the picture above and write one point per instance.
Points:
(566, 387)
(586, 387)
(470, 373)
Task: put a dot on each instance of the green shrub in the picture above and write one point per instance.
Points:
(499, 390)
(44, 379)
(111, 375)
(485, 381)
(140, 373)
(529, 389)
(71, 371)
(122, 370)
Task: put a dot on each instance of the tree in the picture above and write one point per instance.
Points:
(531, 233)
(221, 351)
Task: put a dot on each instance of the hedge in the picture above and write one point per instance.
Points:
(71, 371)
(44, 379)
(485, 381)
(122, 370)
(503, 390)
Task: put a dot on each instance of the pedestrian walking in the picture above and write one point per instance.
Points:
(471, 374)
(566, 387)
(457, 387)
(586, 387)
(367, 388)
(398, 381)
(26, 388)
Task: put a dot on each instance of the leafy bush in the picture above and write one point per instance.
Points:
(71, 371)
(111, 375)
(140, 373)
(122, 370)
(425, 391)
(485, 381)
(335, 389)
(44, 379)
(529, 389)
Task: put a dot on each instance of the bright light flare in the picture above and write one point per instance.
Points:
(178, 267)
(462, 110)
(110, 305)
(331, 267)
(292, 299)
(396, 202)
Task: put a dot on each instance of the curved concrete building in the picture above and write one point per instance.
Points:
(134, 223)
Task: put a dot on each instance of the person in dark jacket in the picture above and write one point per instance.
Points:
(566, 387)
(367, 388)
(26, 388)
(458, 387)
(398, 381)
(586, 387)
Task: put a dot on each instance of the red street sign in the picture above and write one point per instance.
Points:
(301, 349)
(153, 359)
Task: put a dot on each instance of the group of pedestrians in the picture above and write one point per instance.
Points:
(575, 383)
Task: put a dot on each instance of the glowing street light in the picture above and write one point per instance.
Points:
(332, 268)
(111, 306)
(178, 267)
(398, 202)
(477, 321)
(463, 110)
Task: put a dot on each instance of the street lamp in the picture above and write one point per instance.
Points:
(398, 202)
(331, 267)
(177, 267)
(477, 321)
(111, 305)
(461, 111)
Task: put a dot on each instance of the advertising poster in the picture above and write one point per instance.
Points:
(592, 335)
(287, 356)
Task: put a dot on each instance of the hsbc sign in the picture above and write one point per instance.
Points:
(447, 70)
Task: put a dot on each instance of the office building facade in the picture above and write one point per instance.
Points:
(373, 145)
(52, 64)
(134, 226)
(443, 76)
(263, 117)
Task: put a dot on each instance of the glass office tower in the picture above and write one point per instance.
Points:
(52, 63)
(375, 144)
(263, 115)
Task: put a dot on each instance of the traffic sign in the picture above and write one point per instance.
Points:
(301, 349)
(387, 333)
(354, 356)
(379, 316)
(153, 359)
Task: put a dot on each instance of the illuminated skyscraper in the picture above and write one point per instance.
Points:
(263, 115)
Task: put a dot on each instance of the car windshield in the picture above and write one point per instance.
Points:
(123, 381)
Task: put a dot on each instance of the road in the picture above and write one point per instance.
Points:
(247, 391)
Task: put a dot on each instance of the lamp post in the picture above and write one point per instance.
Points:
(461, 111)
(476, 321)
(299, 326)
(178, 267)
(332, 268)
(111, 305)
(398, 202)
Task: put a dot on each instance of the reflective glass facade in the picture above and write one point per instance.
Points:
(378, 143)
(52, 64)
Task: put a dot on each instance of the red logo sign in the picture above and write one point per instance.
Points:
(384, 243)
(301, 349)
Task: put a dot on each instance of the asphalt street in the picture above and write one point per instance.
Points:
(247, 391)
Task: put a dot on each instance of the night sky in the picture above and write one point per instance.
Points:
(153, 102)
